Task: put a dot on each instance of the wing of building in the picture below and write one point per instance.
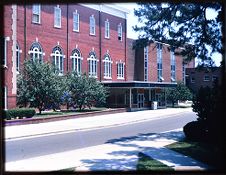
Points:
(87, 38)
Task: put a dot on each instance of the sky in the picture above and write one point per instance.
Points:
(132, 21)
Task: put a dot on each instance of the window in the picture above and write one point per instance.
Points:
(6, 39)
(5, 101)
(146, 63)
(92, 25)
(173, 66)
(76, 21)
(192, 79)
(36, 14)
(76, 61)
(57, 17)
(214, 78)
(120, 32)
(159, 62)
(18, 51)
(206, 78)
(107, 29)
(183, 73)
(120, 70)
(92, 61)
(36, 52)
(58, 59)
(107, 67)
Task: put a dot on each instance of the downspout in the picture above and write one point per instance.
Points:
(67, 40)
(100, 45)
(25, 31)
(125, 49)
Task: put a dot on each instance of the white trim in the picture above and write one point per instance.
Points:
(112, 9)
(38, 14)
(107, 29)
(5, 60)
(56, 16)
(92, 26)
(77, 22)
(5, 98)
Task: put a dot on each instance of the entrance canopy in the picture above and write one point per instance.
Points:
(139, 84)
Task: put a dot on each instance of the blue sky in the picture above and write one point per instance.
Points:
(132, 20)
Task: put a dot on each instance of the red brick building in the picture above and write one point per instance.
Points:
(88, 38)
(83, 37)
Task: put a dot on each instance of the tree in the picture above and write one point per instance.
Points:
(85, 91)
(39, 85)
(181, 92)
(183, 25)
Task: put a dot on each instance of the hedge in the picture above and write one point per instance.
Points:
(19, 112)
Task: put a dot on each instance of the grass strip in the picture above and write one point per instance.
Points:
(204, 152)
(147, 163)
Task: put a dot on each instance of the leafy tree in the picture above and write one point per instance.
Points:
(181, 92)
(39, 86)
(182, 25)
(85, 91)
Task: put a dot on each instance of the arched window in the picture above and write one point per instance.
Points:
(18, 51)
(76, 61)
(58, 59)
(92, 60)
(107, 66)
(36, 52)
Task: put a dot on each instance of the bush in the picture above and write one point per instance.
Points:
(196, 131)
(20, 113)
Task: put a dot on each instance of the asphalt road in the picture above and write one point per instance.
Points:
(44, 145)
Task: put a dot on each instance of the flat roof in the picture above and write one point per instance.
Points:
(139, 84)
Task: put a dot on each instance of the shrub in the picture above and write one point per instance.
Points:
(196, 131)
(20, 113)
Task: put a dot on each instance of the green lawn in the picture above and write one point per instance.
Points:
(66, 112)
(147, 163)
(203, 152)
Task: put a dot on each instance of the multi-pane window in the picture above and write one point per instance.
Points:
(76, 21)
(36, 13)
(120, 32)
(6, 39)
(206, 78)
(192, 79)
(92, 25)
(146, 63)
(57, 17)
(58, 59)
(76, 61)
(5, 101)
(159, 62)
(120, 70)
(107, 66)
(107, 29)
(17, 57)
(92, 61)
(173, 66)
(36, 52)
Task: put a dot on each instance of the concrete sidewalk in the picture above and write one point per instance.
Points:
(87, 123)
(119, 155)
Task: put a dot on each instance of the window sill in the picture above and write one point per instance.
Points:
(92, 34)
(5, 67)
(38, 23)
(109, 78)
(57, 27)
(120, 78)
(76, 31)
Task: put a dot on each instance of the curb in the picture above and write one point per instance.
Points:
(61, 117)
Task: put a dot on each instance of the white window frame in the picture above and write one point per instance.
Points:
(76, 21)
(58, 59)
(5, 97)
(36, 11)
(36, 49)
(120, 32)
(146, 63)
(173, 66)
(57, 16)
(76, 61)
(120, 70)
(92, 25)
(92, 64)
(107, 29)
(183, 72)
(107, 67)
(159, 63)
(18, 52)
(5, 59)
